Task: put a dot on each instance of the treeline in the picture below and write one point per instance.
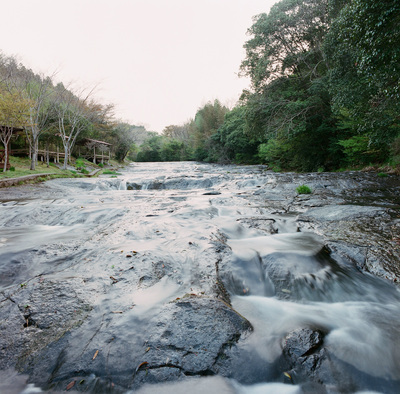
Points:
(324, 93)
(52, 113)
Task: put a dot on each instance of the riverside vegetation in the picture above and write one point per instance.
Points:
(324, 96)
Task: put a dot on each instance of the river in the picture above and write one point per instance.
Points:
(188, 277)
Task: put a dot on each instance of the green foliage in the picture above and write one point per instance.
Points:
(274, 152)
(12, 169)
(125, 138)
(324, 94)
(80, 162)
(207, 121)
(359, 149)
(172, 150)
(231, 142)
(110, 172)
(150, 150)
(303, 189)
(363, 49)
(101, 165)
(286, 41)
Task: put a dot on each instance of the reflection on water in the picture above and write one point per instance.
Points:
(144, 239)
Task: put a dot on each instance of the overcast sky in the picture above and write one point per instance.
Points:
(158, 61)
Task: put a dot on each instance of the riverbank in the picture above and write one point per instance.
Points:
(21, 173)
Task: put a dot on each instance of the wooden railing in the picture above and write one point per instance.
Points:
(55, 155)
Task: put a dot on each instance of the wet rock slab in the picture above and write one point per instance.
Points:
(190, 336)
(306, 358)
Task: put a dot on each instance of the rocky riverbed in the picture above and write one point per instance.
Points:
(196, 277)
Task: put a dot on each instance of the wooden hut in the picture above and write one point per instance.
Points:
(93, 150)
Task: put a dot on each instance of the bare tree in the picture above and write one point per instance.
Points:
(71, 113)
(38, 89)
(75, 112)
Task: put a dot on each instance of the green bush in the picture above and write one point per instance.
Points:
(101, 165)
(80, 162)
(303, 189)
(12, 168)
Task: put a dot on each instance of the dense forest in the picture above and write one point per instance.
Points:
(324, 95)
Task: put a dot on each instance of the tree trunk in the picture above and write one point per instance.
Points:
(48, 153)
(34, 152)
(5, 157)
(66, 156)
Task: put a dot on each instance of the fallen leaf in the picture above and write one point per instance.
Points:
(141, 365)
(287, 375)
(95, 355)
(113, 279)
(148, 349)
(70, 385)
(117, 312)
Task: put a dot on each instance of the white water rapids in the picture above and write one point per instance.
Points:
(169, 213)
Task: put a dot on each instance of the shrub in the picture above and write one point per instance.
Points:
(80, 162)
(303, 189)
(12, 168)
(101, 165)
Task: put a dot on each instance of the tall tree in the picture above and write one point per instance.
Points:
(363, 49)
(206, 123)
(14, 113)
(38, 89)
(73, 116)
(126, 138)
(287, 41)
(289, 102)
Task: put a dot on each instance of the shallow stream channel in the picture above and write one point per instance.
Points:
(199, 278)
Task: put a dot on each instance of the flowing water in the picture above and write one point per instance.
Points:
(128, 246)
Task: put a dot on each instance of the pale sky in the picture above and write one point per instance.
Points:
(158, 61)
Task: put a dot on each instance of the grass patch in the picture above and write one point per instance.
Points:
(21, 166)
(110, 172)
(303, 189)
